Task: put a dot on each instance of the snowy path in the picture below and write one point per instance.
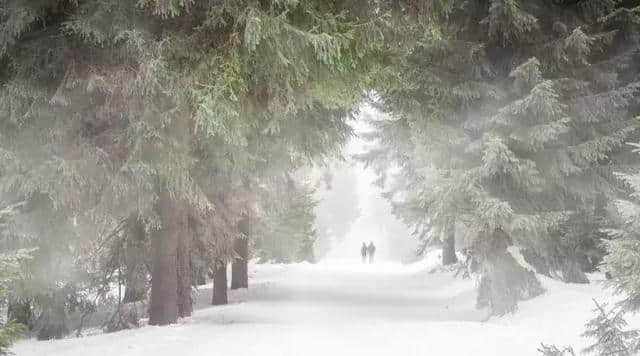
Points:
(342, 309)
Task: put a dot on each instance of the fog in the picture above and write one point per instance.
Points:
(375, 221)
(319, 178)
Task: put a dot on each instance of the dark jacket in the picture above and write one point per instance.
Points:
(371, 249)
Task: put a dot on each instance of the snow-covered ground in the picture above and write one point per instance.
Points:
(333, 309)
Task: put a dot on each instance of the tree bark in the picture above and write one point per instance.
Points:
(240, 266)
(449, 244)
(163, 307)
(220, 283)
(185, 302)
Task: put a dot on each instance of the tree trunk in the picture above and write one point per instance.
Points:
(220, 283)
(136, 282)
(185, 302)
(449, 244)
(163, 307)
(239, 268)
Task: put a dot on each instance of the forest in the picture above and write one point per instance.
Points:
(152, 147)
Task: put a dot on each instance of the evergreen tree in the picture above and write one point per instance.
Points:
(552, 350)
(608, 330)
(287, 233)
(240, 267)
(11, 272)
(519, 129)
(623, 254)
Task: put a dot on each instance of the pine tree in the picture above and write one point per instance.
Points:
(519, 129)
(552, 350)
(623, 252)
(608, 330)
(287, 233)
(240, 266)
(220, 283)
(10, 273)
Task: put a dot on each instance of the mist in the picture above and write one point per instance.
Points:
(347, 177)
(375, 221)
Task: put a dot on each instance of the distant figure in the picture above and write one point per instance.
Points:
(371, 251)
(363, 252)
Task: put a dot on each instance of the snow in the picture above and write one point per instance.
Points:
(333, 309)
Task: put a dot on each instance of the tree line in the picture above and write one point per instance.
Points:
(145, 145)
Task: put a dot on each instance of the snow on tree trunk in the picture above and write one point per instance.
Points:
(239, 268)
(504, 281)
(220, 283)
(185, 302)
(163, 308)
(449, 243)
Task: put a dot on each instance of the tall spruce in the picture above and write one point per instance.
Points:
(623, 254)
(609, 329)
(287, 232)
(512, 122)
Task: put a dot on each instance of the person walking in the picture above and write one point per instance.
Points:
(363, 252)
(371, 251)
